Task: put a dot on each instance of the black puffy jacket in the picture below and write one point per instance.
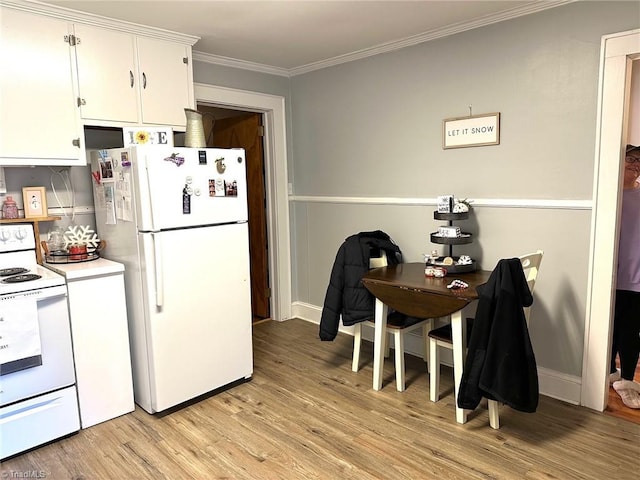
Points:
(346, 295)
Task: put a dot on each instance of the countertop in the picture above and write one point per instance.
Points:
(80, 270)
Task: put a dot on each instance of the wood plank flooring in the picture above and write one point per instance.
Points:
(618, 409)
(305, 415)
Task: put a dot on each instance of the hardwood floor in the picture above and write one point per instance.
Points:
(618, 409)
(305, 415)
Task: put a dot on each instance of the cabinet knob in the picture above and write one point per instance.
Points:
(81, 102)
(131, 78)
(144, 80)
(76, 142)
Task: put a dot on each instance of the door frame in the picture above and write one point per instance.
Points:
(616, 57)
(276, 181)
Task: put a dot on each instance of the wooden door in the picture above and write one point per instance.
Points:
(244, 130)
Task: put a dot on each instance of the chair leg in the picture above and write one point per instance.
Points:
(434, 371)
(494, 417)
(387, 348)
(399, 347)
(426, 328)
(357, 341)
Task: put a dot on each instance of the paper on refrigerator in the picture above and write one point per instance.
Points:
(123, 196)
(109, 204)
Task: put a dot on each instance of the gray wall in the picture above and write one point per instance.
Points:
(223, 76)
(372, 128)
(61, 183)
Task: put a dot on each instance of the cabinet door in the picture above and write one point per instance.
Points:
(101, 346)
(38, 115)
(166, 81)
(106, 74)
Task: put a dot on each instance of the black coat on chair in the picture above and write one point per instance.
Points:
(500, 363)
(346, 295)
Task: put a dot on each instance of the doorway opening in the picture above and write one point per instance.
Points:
(272, 109)
(618, 51)
(228, 128)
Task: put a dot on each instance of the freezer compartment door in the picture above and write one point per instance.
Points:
(199, 326)
(186, 187)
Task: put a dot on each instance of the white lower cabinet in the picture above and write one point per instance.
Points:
(97, 308)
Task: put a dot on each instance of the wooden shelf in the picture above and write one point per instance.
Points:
(36, 229)
(29, 220)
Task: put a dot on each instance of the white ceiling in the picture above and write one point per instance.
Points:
(293, 35)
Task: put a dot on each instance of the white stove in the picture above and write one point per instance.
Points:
(38, 397)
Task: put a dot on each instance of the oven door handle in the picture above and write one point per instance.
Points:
(38, 295)
(158, 269)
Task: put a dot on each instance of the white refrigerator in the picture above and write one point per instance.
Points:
(177, 219)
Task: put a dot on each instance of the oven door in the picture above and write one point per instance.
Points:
(57, 370)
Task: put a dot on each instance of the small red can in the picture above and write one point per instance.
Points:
(78, 252)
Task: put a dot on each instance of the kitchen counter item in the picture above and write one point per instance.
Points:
(9, 208)
(55, 240)
(74, 254)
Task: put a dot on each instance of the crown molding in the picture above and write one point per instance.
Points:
(98, 21)
(512, 13)
(242, 64)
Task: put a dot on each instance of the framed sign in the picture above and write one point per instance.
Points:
(472, 131)
(35, 202)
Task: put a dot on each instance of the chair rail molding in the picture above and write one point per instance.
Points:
(561, 204)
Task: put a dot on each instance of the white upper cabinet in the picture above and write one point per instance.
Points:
(39, 123)
(166, 81)
(61, 70)
(107, 74)
(131, 78)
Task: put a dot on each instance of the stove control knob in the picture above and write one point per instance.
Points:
(21, 234)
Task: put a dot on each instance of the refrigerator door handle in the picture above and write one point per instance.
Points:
(157, 252)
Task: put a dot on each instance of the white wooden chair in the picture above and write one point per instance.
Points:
(441, 337)
(395, 329)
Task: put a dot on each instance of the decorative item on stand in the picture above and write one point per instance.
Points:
(450, 209)
(194, 136)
